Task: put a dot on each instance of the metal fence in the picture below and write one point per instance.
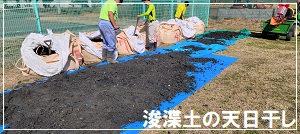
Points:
(21, 19)
(252, 1)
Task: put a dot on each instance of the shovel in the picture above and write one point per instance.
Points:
(49, 45)
(137, 21)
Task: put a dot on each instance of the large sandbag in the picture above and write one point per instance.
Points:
(75, 58)
(187, 29)
(123, 44)
(135, 39)
(33, 61)
(26, 71)
(197, 23)
(88, 57)
(87, 43)
(92, 47)
(200, 28)
(168, 33)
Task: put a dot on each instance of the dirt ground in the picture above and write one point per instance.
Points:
(262, 79)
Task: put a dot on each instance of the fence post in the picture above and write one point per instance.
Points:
(38, 21)
(207, 18)
(193, 8)
(58, 7)
(172, 10)
(144, 10)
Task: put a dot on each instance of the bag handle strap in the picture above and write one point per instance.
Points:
(25, 70)
(37, 48)
(49, 45)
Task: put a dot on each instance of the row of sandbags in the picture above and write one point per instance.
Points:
(169, 32)
(51, 54)
(70, 51)
(175, 30)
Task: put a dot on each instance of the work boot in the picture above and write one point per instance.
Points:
(151, 47)
(148, 46)
(154, 46)
(104, 55)
(111, 57)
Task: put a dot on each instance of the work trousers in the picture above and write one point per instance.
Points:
(150, 28)
(108, 35)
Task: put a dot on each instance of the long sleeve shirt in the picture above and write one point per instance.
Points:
(180, 11)
(150, 13)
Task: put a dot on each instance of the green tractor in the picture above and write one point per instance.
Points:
(288, 28)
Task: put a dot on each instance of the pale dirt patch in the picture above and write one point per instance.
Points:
(14, 78)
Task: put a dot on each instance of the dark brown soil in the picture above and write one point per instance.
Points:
(101, 97)
(194, 48)
(218, 37)
(209, 41)
(222, 35)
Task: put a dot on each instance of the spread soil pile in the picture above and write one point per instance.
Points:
(194, 48)
(222, 35)
(101, 97)
(218, 37)
(209, 41)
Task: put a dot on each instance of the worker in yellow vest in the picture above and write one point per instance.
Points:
(181, 9)
(109, 29)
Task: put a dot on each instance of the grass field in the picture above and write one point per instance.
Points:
(263, 78)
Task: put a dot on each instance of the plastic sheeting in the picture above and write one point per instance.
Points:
(87, 44)
(137, 42)
(187, 29)
(195, 20)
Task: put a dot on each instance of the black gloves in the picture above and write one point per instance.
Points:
(117, 30)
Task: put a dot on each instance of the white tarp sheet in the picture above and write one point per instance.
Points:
(88, 45)
(187, 29)
(195, 20)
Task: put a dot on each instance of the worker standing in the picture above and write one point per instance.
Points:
(180, 10)
(109, 29)
(150, 25)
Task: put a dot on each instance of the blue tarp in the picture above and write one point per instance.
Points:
(1, 129)
(201, 77)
